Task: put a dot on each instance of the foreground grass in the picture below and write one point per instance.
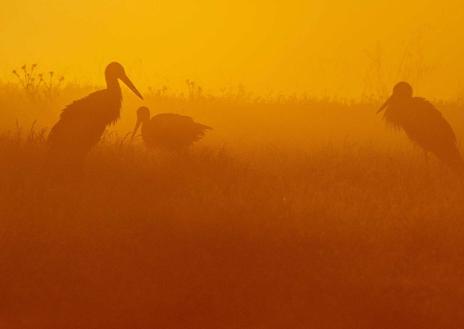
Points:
(339, 237)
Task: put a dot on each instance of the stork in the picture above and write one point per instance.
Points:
(423, 124)
(168, 131)
(83, 122)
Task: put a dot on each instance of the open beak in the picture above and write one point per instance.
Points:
(385, 105)
(131, 86)
(137, 125)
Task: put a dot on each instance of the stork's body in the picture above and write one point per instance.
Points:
(423, 124)
(168, 131)
(83, 122)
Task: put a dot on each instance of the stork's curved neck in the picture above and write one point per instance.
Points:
(112, 85)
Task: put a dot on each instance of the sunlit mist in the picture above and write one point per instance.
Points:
(231, 164)
(343, 48)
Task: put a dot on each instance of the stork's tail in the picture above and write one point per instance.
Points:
(204, 127)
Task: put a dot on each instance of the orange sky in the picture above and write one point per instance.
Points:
(319, 47)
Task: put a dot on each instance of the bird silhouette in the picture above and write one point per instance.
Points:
(168, 131)
(83, 122)
(423, 124)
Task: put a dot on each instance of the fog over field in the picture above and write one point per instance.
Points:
(242, 164)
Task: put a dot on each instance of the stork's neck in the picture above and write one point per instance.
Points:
(112, 85)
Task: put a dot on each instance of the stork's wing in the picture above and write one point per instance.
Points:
(180, 123)
(173, 130)
(427, 125)
(173, 119)
(81, 123)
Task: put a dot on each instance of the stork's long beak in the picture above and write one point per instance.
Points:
(384, 106)
(137, 125)
(131, 86)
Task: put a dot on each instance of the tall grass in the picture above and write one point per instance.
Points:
(293, 213)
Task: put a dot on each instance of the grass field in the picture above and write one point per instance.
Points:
(319, 218)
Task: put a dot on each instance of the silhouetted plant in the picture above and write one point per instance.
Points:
(411, 66)
(38, 85)
(194, 90)
(159, 92)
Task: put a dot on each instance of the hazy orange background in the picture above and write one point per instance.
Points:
(319, 47)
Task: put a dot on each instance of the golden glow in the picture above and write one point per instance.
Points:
(319, 47)
(291, 212)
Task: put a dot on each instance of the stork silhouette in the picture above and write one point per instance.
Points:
(423, 124)
(168, 131)
(83, 122)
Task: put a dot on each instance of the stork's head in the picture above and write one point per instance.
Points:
(401, 92)
(115, 71)
(143, 115)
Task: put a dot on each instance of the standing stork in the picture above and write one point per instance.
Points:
(83, 122)
(423, 124)
(168, 131)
